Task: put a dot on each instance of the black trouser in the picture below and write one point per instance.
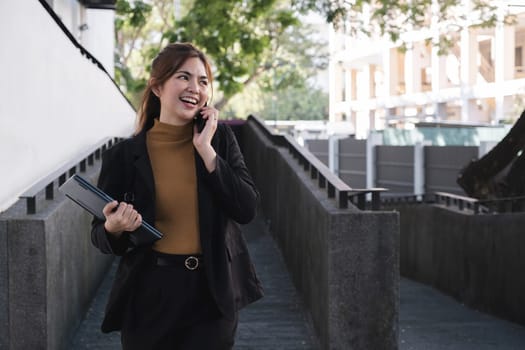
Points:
(172, 308)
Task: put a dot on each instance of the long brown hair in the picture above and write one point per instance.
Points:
(167, 62)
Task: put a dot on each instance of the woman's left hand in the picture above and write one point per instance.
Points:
(202, 140)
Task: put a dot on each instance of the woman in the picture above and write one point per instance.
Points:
(184, 290)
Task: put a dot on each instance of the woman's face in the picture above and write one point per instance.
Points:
(184, 93)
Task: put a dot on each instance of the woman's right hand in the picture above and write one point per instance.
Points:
(124, 218)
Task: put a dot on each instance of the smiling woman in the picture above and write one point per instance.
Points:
(182, 95)
(184, 290)
(176, 63)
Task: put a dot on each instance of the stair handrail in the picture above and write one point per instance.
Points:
(60, 174)
(326, 179)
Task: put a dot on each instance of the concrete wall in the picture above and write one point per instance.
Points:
(344, 263)
(478, 259)
(48, 273)
(4, 299)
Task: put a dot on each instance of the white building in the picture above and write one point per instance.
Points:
(480, 80)
(58, 96)
(92, 23)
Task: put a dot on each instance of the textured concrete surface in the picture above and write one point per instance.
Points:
(477, 259)
(344, 262)
(27, 285)
(4, 300)
(428, 319)
(363, 281)
(275, 322)
(49, 271)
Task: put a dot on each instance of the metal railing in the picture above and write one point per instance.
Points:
(459, 202)
(450, 200)
(482, 206)
(505, 205)
(462, 203)
(334, 186)
(66, 170)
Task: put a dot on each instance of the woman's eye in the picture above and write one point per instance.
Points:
(183, 77)
(204, 82)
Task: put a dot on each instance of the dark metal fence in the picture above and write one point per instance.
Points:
(442, 165)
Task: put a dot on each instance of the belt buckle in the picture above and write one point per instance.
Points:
(191, 263)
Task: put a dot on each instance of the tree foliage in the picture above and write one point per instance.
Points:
(138, 35)
(391, 18)
(296, 103)
(304, 102)
(246, 40)
(264, 41)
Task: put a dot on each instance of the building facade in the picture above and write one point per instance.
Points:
(480, 79)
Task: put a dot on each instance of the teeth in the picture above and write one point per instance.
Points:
(189, 100)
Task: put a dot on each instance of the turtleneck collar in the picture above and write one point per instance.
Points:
(168, 132)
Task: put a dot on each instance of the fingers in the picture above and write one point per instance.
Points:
(211, 115)
(210, 112)
(124, 218)
(108, 208)
(136, 224)
(126, 211)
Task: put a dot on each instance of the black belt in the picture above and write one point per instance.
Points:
(190, 262)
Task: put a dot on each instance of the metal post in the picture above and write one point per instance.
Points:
(373, 140)
(419, 170)
(333, 154)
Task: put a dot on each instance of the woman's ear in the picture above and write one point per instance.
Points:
(154, 87)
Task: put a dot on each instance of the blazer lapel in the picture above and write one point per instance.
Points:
(207, 215)
(142, 162)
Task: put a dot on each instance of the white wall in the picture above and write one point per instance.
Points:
(71, 13)
(99, 37)
(54, 102)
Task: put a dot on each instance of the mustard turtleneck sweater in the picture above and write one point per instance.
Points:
(171, 152)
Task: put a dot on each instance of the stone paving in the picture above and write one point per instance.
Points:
(274, 322)
(430, 320)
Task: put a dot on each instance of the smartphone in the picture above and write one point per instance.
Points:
(199, 121)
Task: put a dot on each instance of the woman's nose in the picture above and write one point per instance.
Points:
(193, 85)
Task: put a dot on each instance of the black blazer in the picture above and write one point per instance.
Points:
(227, 197)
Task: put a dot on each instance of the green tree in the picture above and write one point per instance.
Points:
(296, 103)
(138, 36)
(245, 40)
(393, 17)
(248, 39)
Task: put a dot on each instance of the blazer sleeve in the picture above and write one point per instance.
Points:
(231, 182)
(110, 181)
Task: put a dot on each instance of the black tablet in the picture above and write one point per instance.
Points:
(92, 199)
